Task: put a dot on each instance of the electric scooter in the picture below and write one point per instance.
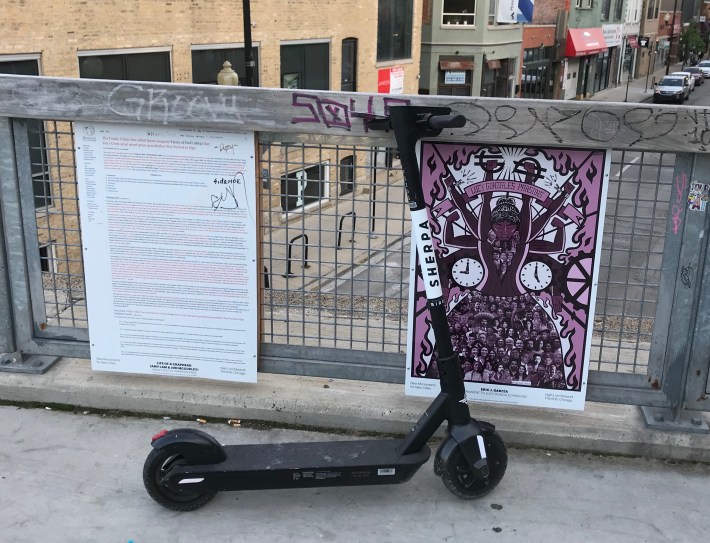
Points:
(187, 467)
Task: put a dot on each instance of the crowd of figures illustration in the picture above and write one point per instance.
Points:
(506, 341)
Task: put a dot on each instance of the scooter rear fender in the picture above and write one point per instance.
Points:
(449, 445)
(196, 446)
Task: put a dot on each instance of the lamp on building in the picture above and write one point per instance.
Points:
(667, 19)
(227, 76)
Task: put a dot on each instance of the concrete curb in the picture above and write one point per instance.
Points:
(346, 405)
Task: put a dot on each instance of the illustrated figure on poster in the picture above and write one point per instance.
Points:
(515, 231)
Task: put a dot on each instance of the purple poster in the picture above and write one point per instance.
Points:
(517, 232)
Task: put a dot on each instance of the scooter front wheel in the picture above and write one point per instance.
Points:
(156, 468)
(459, 479)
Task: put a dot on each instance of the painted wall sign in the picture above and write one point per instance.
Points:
(169, 242)
(518, 234)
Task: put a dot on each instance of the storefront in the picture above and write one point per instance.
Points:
(498, 77)
(589, 47)
(455, 76)
(614, 37)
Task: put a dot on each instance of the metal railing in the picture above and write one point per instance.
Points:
(335, 257)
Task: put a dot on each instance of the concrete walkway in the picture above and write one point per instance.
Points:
(77, 478)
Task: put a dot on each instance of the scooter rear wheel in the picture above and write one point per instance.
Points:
(459, 479)
(156, 468)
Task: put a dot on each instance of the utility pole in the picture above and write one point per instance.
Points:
(670, 41)
(248, 56)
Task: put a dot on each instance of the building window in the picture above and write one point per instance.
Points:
(348, 69)
(152, 66)
(653, 7)
(459, 12)
(606, 8)
(537, 75)
(347, 175)
(618, 7)
(47, 260)
(303, 187)
(394, 29)
(206, 64)
(41, 187)
(305, 66)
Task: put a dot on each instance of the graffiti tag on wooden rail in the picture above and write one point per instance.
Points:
(626, 126)
(335, 114)
(148, 104)
(641, 123)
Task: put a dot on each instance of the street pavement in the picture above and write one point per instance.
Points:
(637, 90)
(76, 477)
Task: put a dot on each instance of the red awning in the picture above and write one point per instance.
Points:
(585, 41)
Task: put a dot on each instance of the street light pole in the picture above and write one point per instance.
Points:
(248, 57)
(670, 41)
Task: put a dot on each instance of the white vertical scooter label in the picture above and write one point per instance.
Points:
(425, 250)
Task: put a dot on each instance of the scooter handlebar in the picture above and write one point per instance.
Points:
(439, 122)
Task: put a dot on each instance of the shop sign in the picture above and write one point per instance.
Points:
(455, 78)
(613, 34)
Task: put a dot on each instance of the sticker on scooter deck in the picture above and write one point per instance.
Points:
(517, 233)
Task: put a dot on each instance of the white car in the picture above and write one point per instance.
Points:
(672, 88)
(704, 65)
(691, 79)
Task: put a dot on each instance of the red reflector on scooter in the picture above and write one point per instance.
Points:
(159, 435)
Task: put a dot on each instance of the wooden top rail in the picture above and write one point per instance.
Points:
(339, 117)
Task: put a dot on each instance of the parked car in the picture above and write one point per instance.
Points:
(672, 88)
(704, 65)
(691, 79)
(697, 74)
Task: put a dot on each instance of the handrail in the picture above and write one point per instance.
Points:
(310, 115)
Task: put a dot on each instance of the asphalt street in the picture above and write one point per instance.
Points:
(75, 477)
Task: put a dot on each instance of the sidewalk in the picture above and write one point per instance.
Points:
(639, 90)
(76, 478)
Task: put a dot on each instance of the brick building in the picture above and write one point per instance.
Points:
(350, 45)
(185, 40)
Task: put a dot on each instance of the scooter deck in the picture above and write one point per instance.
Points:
(302, 465)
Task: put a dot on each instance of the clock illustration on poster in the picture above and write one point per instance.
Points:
(467, 272)
(535, 275)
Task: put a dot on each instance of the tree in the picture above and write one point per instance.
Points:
(692, 44)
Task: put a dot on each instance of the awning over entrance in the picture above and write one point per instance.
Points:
(585, 41)
(456, 65)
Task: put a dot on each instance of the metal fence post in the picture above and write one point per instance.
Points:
(7, 169)
(22, 360)
(697, 385)
(681, 281)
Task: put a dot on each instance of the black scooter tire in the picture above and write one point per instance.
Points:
(458, 478)
(156, 466)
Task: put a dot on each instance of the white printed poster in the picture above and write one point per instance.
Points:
(168, 220)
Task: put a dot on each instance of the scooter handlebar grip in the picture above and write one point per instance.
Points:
(379, 124)
(438, 122)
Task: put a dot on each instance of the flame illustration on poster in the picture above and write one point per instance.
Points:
(517, 232)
